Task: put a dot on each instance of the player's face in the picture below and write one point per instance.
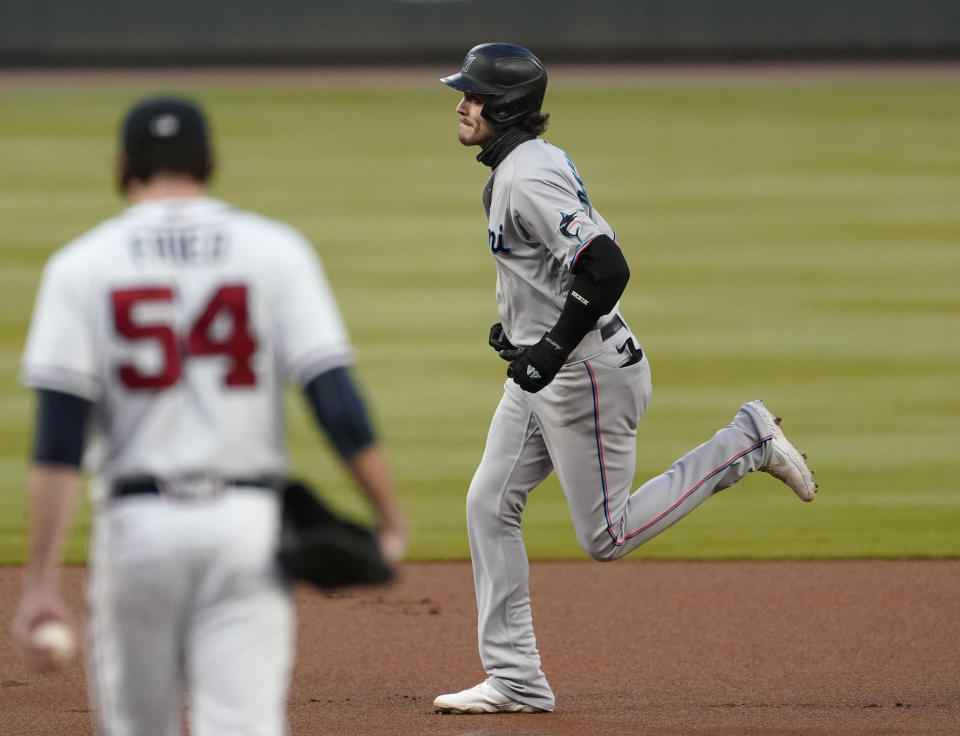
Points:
(474, 130)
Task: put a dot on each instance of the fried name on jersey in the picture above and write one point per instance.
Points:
(191, 246)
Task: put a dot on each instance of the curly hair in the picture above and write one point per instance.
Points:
(536, 123)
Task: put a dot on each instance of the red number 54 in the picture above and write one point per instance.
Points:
(238, 343)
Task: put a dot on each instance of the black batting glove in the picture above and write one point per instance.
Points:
(536, 366)
(499, 342)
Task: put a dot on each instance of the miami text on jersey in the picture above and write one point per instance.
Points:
(496, 241)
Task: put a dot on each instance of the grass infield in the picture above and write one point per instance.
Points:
(797, 240)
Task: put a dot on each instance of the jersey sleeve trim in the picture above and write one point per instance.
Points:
(59, 379)
(313, 364)
(580, 250)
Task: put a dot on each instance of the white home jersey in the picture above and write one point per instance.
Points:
(540, 219)
(182, 319)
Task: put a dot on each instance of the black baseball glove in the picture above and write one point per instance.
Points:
(319, 547)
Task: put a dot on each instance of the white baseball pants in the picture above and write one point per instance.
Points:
(185, 601)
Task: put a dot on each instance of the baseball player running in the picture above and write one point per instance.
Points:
(165, 336)
(577, 382)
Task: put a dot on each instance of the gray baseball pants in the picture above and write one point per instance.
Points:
(583, 426)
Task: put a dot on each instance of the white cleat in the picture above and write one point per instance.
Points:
(786, 462)
(482, 698)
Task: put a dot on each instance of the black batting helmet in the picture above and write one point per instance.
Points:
(511, 76)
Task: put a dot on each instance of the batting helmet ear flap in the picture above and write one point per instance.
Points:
(511, 76)
(504, 112)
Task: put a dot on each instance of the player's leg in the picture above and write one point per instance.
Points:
(732, 452)
(595, 457)
(514, 461)
(240, 641)
(136, 596)
(589, 416)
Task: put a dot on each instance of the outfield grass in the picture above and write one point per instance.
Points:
(798, 241)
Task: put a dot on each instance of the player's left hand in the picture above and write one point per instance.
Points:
(498, 339)
(536, 366)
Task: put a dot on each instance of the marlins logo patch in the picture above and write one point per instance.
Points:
(570, 225)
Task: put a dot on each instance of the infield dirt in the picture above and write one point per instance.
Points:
(827, 647)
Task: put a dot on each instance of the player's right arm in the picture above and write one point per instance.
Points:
(54, 484)
(53, 492)
(59, 364)
(555, 216)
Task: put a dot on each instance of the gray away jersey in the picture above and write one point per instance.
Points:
(540, 221)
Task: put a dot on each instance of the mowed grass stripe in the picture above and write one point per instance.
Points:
(791, 240)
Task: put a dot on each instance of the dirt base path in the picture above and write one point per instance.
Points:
(849, 647)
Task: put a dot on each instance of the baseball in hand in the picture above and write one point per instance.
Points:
(57, 639)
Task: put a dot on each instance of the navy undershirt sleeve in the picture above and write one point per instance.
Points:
(61, 428)
(340, 411)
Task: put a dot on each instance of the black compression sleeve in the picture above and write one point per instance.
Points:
(601, 273)
(340, 411)
(600, 276)
(61, 428)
